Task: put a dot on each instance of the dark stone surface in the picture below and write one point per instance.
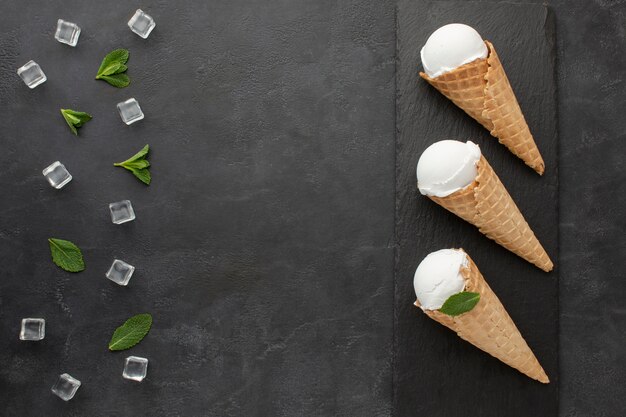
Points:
(263, 247)
(283, 317)
(592, 98)
(435, 372)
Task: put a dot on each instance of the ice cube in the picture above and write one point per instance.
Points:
(135, 368)
(130, 112)
(141, 23)
(67, 32)
(122, 212)
(57, 175)
(65, 387)
(120, 272)
(33, 329)
(31, 74)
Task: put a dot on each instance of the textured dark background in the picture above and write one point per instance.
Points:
(264, 247)
(430, 362)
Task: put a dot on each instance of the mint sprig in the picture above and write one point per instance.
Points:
(131, 332)
(460, 303)
(113, 68)
(138, 165)
(66, 255)
(75, 119)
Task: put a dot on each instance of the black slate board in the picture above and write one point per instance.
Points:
(435, 372)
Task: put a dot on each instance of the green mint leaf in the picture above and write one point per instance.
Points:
(70, 123)
(78, 117)
(460, 303)
(143, 175)
(116, 80)
(138, 165)
(141, 164)
(113, 67)
(70, 117)
(112, 62)
(131, 332)
(75, 119)
(66, 255)
(141, 155)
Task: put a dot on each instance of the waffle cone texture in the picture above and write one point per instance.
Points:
(482, 89)
(490, 328)
(487, 205)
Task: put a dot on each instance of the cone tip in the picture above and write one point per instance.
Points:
(540, 169)
(549, 266)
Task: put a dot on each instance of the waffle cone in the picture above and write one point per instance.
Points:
(490, 328)
(487, 205)
(482, 89)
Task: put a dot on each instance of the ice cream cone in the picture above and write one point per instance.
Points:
(487, 204)
(482, 89)
(490, 328)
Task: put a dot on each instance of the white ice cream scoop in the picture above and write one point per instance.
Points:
(438, 277)
(451, 46)
(447, 166)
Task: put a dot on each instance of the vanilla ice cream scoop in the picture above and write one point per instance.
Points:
(451, 46)
(438, 277)
(447, 166)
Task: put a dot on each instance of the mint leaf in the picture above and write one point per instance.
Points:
(111, 62)
(139, 155)
(117, 80)
(66, 255)
(138, 165)
(120, 68)
(460, 303)
(75, 119)
(143, 175)
(131, 332)
(112, 68)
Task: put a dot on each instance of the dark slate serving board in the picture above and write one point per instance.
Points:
(435, 372)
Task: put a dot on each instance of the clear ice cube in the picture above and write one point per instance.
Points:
(57, 175)
(120, 272)
(66, 387)
(141, 23)
(33, 329)
(31, 74)
(130, 112)
(122, 212)
(135, 368)
(67, 32)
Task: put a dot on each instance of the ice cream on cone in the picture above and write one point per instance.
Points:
(487, 325)
(457, 176)
(467, 70)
